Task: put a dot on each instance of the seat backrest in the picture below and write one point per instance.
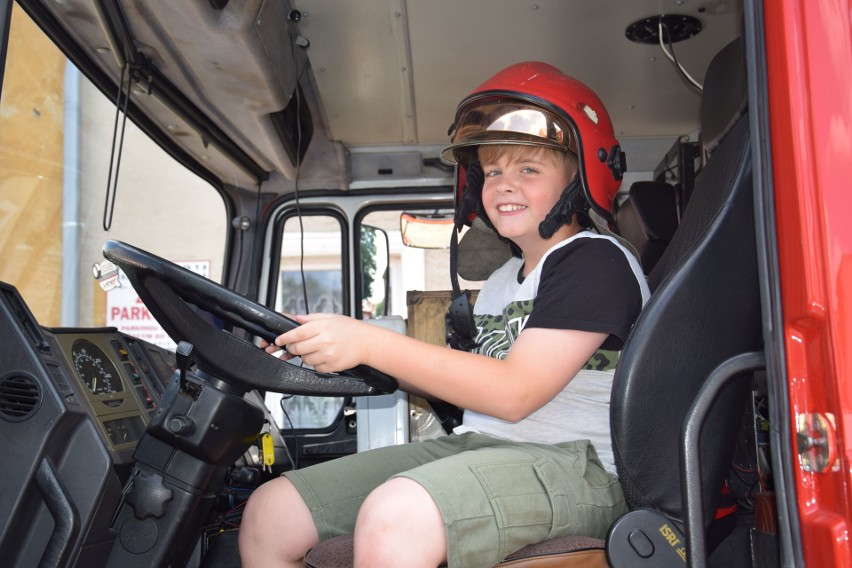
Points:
(728, 99)
(647, 218)
(703, 310)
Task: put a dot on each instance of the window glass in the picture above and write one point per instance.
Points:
(310, 275)
(56, 138)
(407, 268)
(311, 266)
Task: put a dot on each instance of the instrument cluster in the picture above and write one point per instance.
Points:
(122, 379)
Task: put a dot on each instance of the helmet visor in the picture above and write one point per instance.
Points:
(506, 121)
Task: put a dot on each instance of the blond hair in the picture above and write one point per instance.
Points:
(490, 153)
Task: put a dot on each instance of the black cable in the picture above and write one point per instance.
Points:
(297, 94)
(112, 187)
(294, 461)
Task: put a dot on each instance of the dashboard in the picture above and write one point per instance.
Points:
(114, 379)
(83, 412)
(121, 379)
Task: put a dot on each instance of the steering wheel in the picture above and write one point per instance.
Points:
(169, 291)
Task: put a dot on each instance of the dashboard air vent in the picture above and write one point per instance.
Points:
(19, 397)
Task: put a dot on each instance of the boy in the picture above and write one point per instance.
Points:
(536, 152)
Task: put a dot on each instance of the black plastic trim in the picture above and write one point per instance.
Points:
(65, 516)
(5, 21)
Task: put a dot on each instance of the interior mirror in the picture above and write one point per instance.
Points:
(375, 260)
(427, 230)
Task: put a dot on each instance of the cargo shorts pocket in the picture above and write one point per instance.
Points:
(520, 503)
(585, 498)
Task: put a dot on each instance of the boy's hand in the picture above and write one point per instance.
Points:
(272, 349)
(328, 342)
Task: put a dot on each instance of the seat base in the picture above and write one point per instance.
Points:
(563, 552)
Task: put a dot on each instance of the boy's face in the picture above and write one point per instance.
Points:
(520, 189)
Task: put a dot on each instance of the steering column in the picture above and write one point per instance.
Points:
(202, 427)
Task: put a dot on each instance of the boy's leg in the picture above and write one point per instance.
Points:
(322, 501)
(263, 541)
(400, 524)
(492, 500)
(501, 496)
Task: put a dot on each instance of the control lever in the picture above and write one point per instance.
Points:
(184, 359)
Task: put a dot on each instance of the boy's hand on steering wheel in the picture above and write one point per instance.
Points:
(328, 342)
(273, 349)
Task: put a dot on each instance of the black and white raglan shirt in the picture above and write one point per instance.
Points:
(588, 282)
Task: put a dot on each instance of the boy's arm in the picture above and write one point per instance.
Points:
(539, 365)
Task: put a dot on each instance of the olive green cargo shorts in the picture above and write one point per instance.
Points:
(495, 496)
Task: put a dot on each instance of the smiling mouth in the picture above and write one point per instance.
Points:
(510, 208)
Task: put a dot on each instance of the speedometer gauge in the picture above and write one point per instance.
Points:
(94, 368)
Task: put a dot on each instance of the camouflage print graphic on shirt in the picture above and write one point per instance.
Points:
(602, 360)
(496, 335)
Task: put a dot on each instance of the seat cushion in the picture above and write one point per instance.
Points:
(564, 552)
(335, 552)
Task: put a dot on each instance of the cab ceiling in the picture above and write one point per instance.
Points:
(378, 75)
(406, 64)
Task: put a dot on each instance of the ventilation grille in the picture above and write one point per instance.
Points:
(19, 397)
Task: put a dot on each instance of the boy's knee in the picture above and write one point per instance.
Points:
(399, 521)
(276, 523)
(392, 504)
(263, 501)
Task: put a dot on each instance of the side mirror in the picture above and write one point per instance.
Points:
(375, 281)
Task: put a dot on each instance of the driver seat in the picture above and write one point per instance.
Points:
(703, 313)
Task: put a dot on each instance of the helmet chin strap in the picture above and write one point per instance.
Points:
(459, 324)
(458, 321)
(471, 194)
(571, 201)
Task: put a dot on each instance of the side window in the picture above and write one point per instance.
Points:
(310, 279)
(311, 267)
(56, 135)
(399, 265)
(374, 271)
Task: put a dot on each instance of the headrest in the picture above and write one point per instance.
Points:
(725, 96)
(481, 252)
(654, 202)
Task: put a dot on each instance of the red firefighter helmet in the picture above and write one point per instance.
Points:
(534, 103)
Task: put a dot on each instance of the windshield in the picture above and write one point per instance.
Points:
(56, 153)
